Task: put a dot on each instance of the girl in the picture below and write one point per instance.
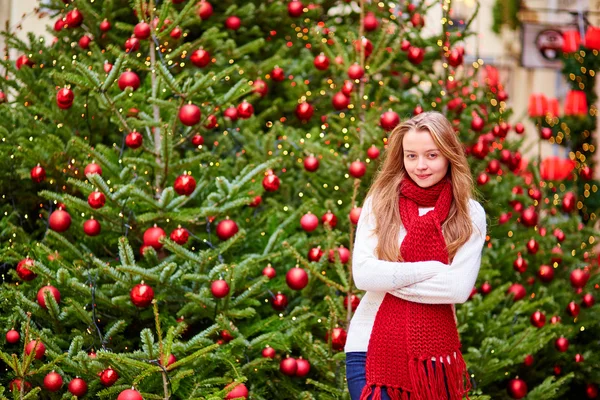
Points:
(417, 253)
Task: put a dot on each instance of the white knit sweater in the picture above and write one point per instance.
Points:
(430, 282)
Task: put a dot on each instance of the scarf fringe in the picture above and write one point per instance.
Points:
(445, 379)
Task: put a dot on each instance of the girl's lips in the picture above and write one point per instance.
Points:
(423, 176)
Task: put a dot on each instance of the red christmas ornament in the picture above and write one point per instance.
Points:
(311, 163)
(569, 202)
(315, 254)
(347, 88)
(197, 140)
(176, 33)
(340, 101)
(184, 185)
(233, 23)
(271, 182)
(84, 42)
(329, 219)
(562, 344)
(304, 111)
(486, 288)
(529, 217)
(588, 300)
(189, 114)
(240, 391)
(12, 336)
(129, 79)
(141, 295)
(39, 347)
(405, 45)
(338, 338)
(15, 385)
(107, 67)
(296, 278)
(152, 237)
(260, 87)
(528, 360)
(532, 246)
(226, 229)
(108, 377)
(92, 227)
(303, 367)
(586, 172)
(343, 253)
(546, 273)
(555, 319)
(279, 302)
(78, 387)
(357, 169)
(59, 24)
(355, 71)
(268, 352)
(134, 140)
(219, 288)
(415, 55)
(245, 110)
(142, 31)
(520, 264)
(365, 45)
(573, 309)
(538, 319)
(64, 98)
(92, 168)
(455, 58)
(25, 273)
(417, 20)
(354, 302)
(309, 222)
(579, 278)
(211, 122)
(295, 8)
(256, 201)
(60, 221)
(74, 18)
(288, 366)
(53, 381)
(53, 291)
(477, 124)
(370, 22)
(180, 236)
(205, 10)
(355, 215)
(277, 74)
(494, 167)
(517, 388)
(269, 271)
(321, 62)
(517, 290)
(482, 179)
(373, 152)
(105, 25)
(23, 60)
(132, 44)
(591, 390)
(38, 174)
(389, 120)
(519, 128)
(130, 394)
(579, 358)
(96, 200)
(200, 58)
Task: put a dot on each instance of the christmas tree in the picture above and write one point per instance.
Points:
(180, 188)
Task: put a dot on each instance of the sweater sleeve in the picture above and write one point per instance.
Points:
(373, 274)
(455, 283)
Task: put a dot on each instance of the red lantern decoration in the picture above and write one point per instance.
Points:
(553, 107)
(592, 38)
(576, 103)
(556, 169)
(538, 105)
(571, 41)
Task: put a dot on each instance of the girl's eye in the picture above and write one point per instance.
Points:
(410, 155)
(433, 155)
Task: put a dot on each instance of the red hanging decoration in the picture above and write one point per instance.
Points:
(576, 103)
(571, 41)
(592, 38)
(538, 105)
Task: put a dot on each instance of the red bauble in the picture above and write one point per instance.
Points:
(355, 71)
(152, 237)
(340, 101)
(573, 309)
(200, 58)
(105, 25)
(365, 45)
(517, 290)
(296, 278)
(455, 58)
(347, 88)
(60, 221)
(268, 352)
(211, 122)
(40, 295)
(197, 140)
(142, 31)
(546, 133)
(562, 344)
(271, 182)
(108, 377)
(59, 24)
(357, 169)
(417, 20)
(25, 273)
(415, 55)
(555, 319)
(315, 254)
(240, 391)
(141, 295)
(130, 394)
(226, 229)
(480, 150)
(255, 201)
(321, 62)
(39, 347)
(486, 288)
(129, 79)
(373, 152)
(309, 222)
(233, 23)
(389, 120)
(189, 114)
(219, 288)
(96, 200)
(519, 128)
(338, 338)
(279, 302)
(579, 278)
(23, 60)
(107, 67)
(355, 215)
(74, 18)
(205, 10)
(277, 74)
(15, 385)
(295, 8)
(12, 336)
(269, 271)
(184, 185)
(64, 98)
(245, 110)
(92, 227)
(591, 390)
(92, 168)
(329, 219)
(176, 33)
(517, 388)
(477, 124)
(532, 246)
(260, 87)
(311, 163)
(483, 178)
(579, 358)
(569, 202)
(354, 302)
(529, 217)
(231, 113)
(494, 166)
(588, 300)
(84, 42)
(38, 174)
(303, 367)
(134, 140)
(78, 387)
(304, 111)
(546, 273)
(343, 253)
(288, 366)
(520, 264)
(53, 381)
(538, 319)
(585, 172)
(528, 360)
(370, 22)
(180, 236)
(132, 44)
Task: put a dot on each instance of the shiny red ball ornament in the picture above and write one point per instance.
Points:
(15, 385)
(141, 295)
(545, 133)
(389, 120)
(555, 319)
(586, 172)
(480, 150)
(296, 278)
(504, 218)
(532, 246)
(562, 344)
(477, 124)
(529, 217)
(211, 122)
(256, 201)
(355, 215)
(12, 336)
(311, 163)
(39, 347)
(309, 222)
(365, 45)
(240, 391)
(200, 58)
(142, 30)
(25, 273)
(347, 88)
(53, 381)
(370, 22)
(96, 200)
(519, 128)
(78, 387)
(520, 264)
(152, 237)
(517, 388)
(205, 10)
(92, 227)
(60, 221)
(271, 182)
(105, 25)
(321, 62)
(269, 272)
(415, 55)
(340, 101)
(277, 74)
(373, 152)
(189, 114)
(279, 302)
(517, 290)
(176, 33)
(528, 360)
(226, 229)
(129, 79)
(315, 254)
(494, 167)
(197, 140)
(234, 23)
(260, 87)
(38, 174)
(304, 111)
(64, 98)
(455, 58)
(132, 44)
(84, 42)
(354, 302)
(184, 185)
(53, 291)
(417, 20)
(134, 140)
(59, 24)
(107, 67)
(338, 338)
(130, 394)
(108, 377)
(579, 358)
(573, 309)
(295, 8)
(245, 110)
(219, 288)
(357, 169)
(92, 168)
(545, 273)
(343, 253)
(269, 352)
(591, 390)
(303, 367)
(579, 278)
(74, 18)
(180, 236)
(486, 288)
(538, 319)
(588, 300)
(569, 202)
(483, 179)
(355, 71)
(22, 61)
(329, 219)
(288, 366)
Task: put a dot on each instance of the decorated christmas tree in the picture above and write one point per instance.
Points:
(181, 183)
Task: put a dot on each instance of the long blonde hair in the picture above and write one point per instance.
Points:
(384, 191)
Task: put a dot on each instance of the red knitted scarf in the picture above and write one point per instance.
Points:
(406, 336)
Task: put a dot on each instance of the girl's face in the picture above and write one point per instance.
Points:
(423, 160)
